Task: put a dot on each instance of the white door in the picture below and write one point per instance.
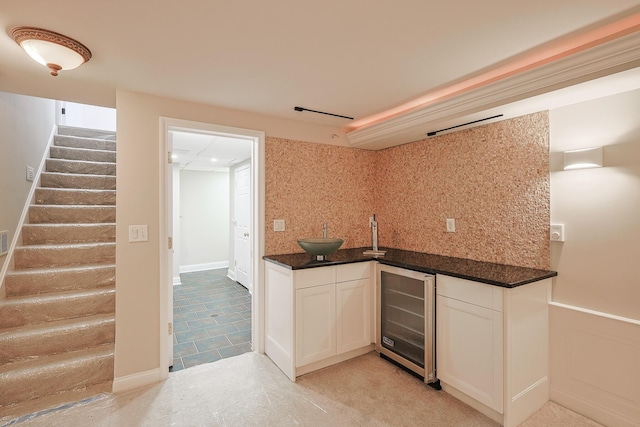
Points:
(242, 227)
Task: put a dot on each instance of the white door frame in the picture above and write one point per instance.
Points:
(257, 230)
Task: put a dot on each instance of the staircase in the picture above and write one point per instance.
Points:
(57, 323)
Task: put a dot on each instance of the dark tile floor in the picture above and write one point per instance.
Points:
(211, 318)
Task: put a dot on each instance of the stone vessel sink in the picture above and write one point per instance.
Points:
(320, 247)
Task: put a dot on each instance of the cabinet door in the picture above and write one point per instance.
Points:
(315, 324)
(469, 350)
(354, 315)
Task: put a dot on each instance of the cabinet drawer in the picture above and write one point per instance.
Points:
(355, 271)
(476, 293)
(309, 277)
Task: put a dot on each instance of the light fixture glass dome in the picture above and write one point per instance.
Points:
(53, 50)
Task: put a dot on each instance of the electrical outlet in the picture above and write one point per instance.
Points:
(451, 225)
(278, 225)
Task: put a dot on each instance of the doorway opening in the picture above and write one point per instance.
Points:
(213, 204)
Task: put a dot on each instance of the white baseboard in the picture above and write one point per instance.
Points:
(134, 381)
(588, 409)
(202, 267)
(594, 364)
(176, 281)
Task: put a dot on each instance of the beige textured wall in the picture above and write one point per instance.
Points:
(308, 184)
(493, 180)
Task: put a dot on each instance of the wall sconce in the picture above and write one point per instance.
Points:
(582, 159)
(54, 51)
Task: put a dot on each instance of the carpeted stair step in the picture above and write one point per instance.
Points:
(23, 311)
(43, 339)
(63, 180)
(34, 281)
(65, 214)
(80, 142)
(41, 234)
(71, 153)
(74, 196)
(59, 255)
(80, 167)
(45, 376)
(86, 133)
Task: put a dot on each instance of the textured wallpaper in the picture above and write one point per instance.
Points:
(493, 180)
(308, 184)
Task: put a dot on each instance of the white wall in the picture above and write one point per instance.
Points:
(26, 124)
(88, 116)
(204, 221)
(595, 317)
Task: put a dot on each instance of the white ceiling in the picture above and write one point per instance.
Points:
(349, 57)
(208, 152)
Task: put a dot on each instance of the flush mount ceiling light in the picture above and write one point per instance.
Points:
(582, 159)
(53, 50)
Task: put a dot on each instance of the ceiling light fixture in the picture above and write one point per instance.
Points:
(582, 159)
(53, 50)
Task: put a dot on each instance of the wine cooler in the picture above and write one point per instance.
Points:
(405, 319)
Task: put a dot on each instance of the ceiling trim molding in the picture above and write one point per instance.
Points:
(608, 58)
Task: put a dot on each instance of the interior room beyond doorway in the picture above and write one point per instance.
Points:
(212, 257)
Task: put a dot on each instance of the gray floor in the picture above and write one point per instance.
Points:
(211, 318)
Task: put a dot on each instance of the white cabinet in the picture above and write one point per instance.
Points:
(469, 349)
(491, 346)
(316, 317)
(315, 324)
(353, 315)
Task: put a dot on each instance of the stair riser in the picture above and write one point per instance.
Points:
(56, 378)
(54, 180)
(38, 257)
(79, 142)
(48, 214)
(40, 234)
(56, 196)
(69, 153)
(80, 167)
(53, 340)
(37, 310)
(34, 283)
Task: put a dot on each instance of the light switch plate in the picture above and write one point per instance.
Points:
(278, 225)
(556, 233)
(138, 233)
(31, 174)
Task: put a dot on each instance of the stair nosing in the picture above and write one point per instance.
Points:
(57, 159)
(81, 148)
(65, 245)
(54, 295)
(40, 270)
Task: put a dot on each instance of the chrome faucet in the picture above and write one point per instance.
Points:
(325, 230)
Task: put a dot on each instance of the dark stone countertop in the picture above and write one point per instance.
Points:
(507, 276)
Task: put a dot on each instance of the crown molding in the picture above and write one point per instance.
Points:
(608, 58)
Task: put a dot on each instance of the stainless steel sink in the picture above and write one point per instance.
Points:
(320, 246)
